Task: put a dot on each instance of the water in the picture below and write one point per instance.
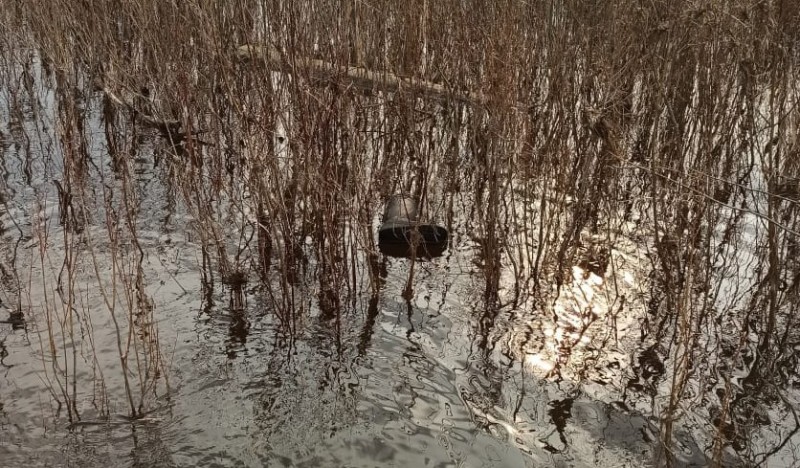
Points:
(415, 363)
(422, 381)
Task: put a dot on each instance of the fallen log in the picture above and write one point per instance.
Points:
(167, 127)
(359, 77)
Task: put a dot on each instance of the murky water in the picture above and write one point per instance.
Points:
(122, 343)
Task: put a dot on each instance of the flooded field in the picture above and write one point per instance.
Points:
(190, 268)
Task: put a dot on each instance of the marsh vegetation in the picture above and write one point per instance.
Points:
(189, 205)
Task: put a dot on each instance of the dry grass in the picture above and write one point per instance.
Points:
(680, 119)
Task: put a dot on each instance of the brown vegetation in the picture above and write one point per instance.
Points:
(558, 120)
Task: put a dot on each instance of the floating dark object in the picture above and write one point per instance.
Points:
(15, 318)
(402, 235)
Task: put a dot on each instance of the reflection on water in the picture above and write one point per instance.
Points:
(197, 303)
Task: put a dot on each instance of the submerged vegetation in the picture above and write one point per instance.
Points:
(621, 178)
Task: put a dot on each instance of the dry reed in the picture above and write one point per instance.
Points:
(555, 121)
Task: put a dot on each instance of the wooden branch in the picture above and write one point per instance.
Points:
(358, 77)
(166, 126)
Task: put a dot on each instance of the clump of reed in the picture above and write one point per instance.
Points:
(674, 120)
